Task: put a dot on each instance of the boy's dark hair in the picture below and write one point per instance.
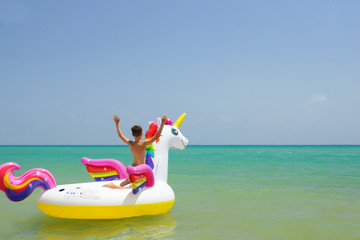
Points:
(136, 131)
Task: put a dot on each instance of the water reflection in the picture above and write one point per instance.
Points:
(145, 227)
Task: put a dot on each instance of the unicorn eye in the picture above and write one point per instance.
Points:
(174, 131)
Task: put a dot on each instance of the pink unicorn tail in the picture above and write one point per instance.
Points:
(19, 188)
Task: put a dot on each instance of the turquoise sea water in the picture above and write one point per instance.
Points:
(222, 192)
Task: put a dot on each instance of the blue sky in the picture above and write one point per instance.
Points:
(245, 72)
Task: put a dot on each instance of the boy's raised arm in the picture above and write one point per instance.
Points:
(116, 119)
(158, 133)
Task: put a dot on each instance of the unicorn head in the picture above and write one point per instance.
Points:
(157, 153)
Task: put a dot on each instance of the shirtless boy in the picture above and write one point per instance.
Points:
(137, 146)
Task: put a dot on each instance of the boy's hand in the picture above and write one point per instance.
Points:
(163, 118)
(116, 119)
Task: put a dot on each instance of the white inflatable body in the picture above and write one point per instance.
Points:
(93, 201)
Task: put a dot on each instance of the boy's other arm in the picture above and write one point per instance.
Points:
(121, 136)
(158, 133)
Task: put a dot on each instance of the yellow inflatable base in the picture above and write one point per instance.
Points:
(105, 212)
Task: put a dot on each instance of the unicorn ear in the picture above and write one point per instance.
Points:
(158, 122)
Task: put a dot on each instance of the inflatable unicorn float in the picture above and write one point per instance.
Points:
(149, 193)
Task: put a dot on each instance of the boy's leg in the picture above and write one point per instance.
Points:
(113, 186)
(126, 182)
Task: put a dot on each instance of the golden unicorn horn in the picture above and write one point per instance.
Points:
(180, 120)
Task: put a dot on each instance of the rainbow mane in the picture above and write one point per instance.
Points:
(19, 188)
(150, 151)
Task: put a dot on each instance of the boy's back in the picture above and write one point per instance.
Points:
(138, 152)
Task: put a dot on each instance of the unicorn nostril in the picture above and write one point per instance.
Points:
(185, 142)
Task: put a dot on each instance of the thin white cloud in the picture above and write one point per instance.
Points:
(226, 117)
(318, 97)
(308, 112)
(226, 102)
(73, 115)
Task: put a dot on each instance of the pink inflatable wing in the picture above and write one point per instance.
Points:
(140, 176)
(19, 188)
(105, 169)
